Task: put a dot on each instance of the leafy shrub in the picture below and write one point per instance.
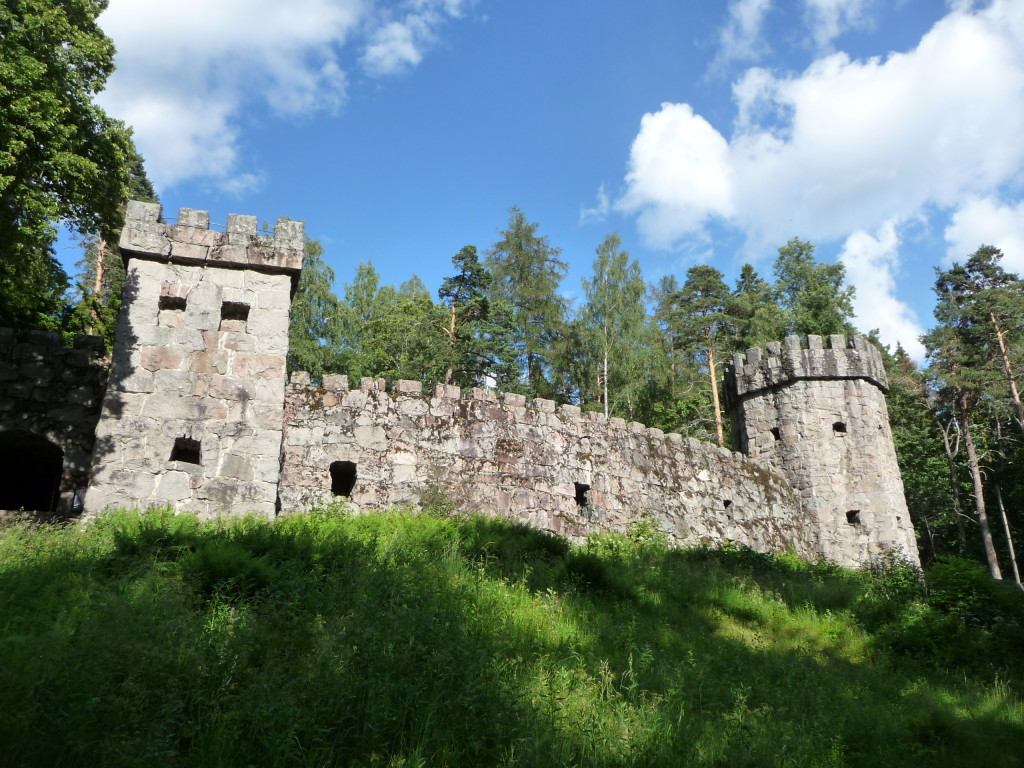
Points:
(964, 588)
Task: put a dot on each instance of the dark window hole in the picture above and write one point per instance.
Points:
(582, 499)
(776, 434)
(839, 427)
(172, 303)
(343, 478)
(853, 516)
(727, 502)
(233, 315)
(30, 472)
(186, 449)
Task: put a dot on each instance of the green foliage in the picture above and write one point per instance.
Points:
(812, 295)
(393, 639)
(614, 322)
(527, 273)
(61, 157)
(314, 331)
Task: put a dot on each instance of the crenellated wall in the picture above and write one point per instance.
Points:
(527, 460)
(818, 415)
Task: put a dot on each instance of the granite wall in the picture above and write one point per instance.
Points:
(551, 466)
(194, 409)
(818, 415)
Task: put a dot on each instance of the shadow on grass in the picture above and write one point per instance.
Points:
(399, 640)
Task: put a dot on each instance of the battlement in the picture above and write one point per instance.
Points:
(333, 389)
(191, 241)
(777, 364)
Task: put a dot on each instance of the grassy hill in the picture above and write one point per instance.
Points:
(404, 640)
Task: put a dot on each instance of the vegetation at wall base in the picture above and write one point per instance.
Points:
(400, 639)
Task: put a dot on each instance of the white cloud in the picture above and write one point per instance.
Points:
(987, 221)
(680, 174)
(830, 18)
(872, 264)
(846, 145)
(398, 44)
(740, 39)
(190, 73)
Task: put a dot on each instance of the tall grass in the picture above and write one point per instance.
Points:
(400, 640)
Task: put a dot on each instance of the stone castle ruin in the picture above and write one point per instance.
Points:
(195, 410)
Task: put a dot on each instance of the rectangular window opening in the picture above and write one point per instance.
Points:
(839, 427)
(853, 516)
(233, 316)
(582, 494)
(172, 304)
(343, 478)
(776, 433)
(186, 449)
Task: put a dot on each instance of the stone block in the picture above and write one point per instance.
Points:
(543, 406)
(190, 217)
(335, 382)
(447, 392)
(408, 387)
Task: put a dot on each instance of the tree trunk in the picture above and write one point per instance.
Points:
(714, 397)
(1009, 371)
(1009, 538)
(954, 485)
(979, 495)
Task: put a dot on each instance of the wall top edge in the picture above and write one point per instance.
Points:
(192, 241)
(300, 385)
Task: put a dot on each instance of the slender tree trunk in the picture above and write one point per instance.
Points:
(451, 344)
(979, 495)
(604, 381)
(1009, 371)
(712, 366)
(1009, 538)
(953, 482)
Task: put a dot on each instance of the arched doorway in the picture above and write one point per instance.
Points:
(30, 472)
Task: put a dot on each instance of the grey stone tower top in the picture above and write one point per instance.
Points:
(777, 364)
(192, 242)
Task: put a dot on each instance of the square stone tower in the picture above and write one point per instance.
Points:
(193, 413)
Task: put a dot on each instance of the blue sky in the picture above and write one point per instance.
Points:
(891, 134)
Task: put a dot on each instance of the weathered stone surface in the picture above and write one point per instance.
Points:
(819, 417)
(524, 463)
(209, 379)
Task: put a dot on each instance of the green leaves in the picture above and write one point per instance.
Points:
(61, 157)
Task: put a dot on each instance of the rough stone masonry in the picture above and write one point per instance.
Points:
(198, 414)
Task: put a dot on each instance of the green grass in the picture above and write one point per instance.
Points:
(402, 640)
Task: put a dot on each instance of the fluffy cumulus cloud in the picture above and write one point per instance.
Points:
(188, 71)
(846, 145)
(872, 263)
(987, 221)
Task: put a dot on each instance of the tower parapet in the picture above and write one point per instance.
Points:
(819, 416)
(194, 407)
(780, 363)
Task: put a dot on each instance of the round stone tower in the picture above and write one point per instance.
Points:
(819, 416)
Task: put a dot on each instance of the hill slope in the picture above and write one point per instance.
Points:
(401, 640)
